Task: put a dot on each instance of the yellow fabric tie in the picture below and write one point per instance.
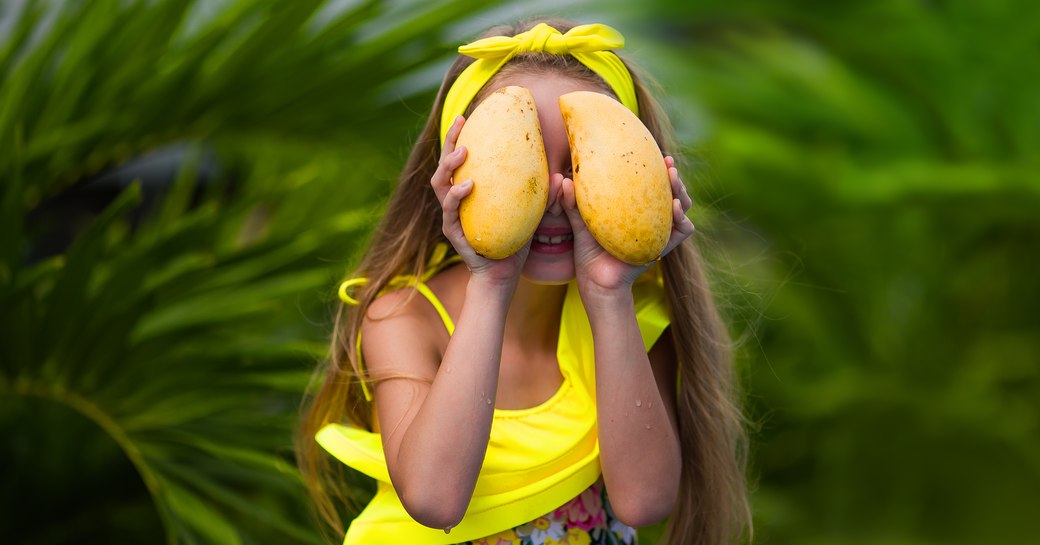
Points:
(589, 44)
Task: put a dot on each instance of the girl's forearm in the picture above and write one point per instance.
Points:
(443, 449)
(639, 444)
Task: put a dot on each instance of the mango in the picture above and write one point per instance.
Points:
(505, 158)
(621, 183)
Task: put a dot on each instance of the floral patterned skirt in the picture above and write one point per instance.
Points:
(585, 520)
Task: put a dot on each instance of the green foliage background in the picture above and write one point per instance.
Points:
(866, 178)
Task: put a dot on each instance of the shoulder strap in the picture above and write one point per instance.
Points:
(437, 262)
(428, 294)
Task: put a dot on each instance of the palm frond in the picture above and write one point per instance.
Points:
(172, 338)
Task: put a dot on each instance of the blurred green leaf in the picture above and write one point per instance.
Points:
(166, 328)
(873, 167)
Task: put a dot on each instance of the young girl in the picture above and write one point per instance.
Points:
(555, 396)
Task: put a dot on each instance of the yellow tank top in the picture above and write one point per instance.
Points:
(537, 458)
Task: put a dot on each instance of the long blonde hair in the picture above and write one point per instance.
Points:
(712, 507)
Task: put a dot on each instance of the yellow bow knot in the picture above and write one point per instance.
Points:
(591, 45)
(548, 39)
(544, 38)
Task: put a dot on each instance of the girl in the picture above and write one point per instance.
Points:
(555, 396)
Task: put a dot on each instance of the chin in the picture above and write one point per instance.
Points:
(548, 274)
(547, 281)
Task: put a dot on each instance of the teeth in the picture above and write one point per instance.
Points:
(553, 240)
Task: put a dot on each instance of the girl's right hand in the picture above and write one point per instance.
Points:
(506, 271)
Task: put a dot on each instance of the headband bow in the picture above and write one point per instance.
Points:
(591, 45)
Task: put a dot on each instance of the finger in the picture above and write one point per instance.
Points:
(682, 227)
(451, 225)
(680, 222)
(452, 137)
(449, 160)
(554, 204)
(679, 189)
(570, 207)
(441, 180)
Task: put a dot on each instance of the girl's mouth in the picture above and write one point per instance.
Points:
(546, 239)
(553, 242)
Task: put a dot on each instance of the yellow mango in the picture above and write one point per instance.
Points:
(505, 158)
(621, 183)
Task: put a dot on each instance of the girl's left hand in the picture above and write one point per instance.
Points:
(598, 271)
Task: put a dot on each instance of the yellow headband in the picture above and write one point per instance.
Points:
(589, 44)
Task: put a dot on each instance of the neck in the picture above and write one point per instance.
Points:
(534, 313)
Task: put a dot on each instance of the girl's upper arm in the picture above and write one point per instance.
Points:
(401, 355)
(665, 364)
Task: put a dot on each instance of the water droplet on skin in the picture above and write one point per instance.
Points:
(448, 370)
(489, 401)
(648, 426)
(447, 530)
(651, 404)
(639, 403)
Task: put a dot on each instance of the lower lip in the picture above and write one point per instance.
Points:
(560, 248)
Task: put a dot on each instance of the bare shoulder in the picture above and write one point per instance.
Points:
(398, 337)
(402, 333)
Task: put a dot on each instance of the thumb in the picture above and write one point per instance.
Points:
(570, 207)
